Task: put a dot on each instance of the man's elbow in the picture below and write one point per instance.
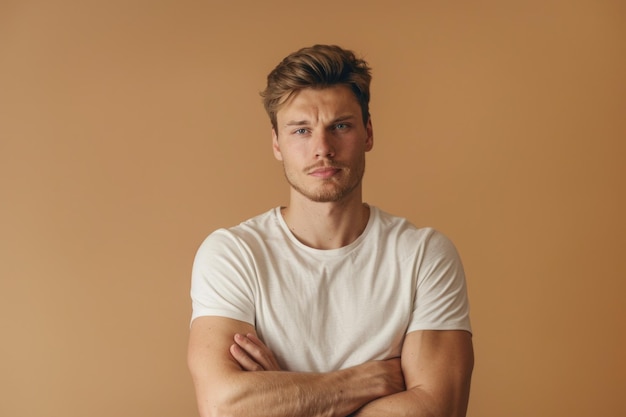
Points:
(215, 410)
(213, 399)
(436, 404)
(216, 406)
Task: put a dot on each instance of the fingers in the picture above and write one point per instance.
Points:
(246, 363)
(252, 354)
(252, 337)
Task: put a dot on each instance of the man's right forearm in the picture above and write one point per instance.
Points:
(286, 394)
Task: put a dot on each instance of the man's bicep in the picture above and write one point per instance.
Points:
(209, 342)
(439, 363)
(208, 355)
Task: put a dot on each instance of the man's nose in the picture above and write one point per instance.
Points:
(324, 145)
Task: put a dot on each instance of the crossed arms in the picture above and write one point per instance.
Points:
(235, 374)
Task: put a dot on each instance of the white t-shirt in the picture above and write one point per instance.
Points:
(323, 310)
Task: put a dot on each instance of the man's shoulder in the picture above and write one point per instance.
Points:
(259, 227)
(260, 223)
(407, 232)
(393, 222)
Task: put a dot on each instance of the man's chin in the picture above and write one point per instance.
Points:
(328, 194)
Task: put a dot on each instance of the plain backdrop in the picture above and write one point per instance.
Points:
(129, 130)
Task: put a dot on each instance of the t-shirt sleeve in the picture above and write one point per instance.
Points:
(222, 279)
(441, 301)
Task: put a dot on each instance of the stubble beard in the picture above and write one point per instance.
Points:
(331, 190)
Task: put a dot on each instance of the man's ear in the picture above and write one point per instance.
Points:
(369, 142)
(275, 146)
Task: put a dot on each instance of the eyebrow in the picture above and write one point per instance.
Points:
(297, 123)
(306, 122)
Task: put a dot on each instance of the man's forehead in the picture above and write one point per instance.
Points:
(334, 101)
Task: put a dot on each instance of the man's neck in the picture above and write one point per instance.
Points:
(326, 225)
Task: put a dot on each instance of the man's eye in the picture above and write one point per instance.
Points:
(340, 126)
(300, 131)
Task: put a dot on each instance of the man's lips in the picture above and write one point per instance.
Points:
(324, 172)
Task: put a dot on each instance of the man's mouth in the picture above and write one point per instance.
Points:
(324, 172)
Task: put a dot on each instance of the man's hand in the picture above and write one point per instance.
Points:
(252, 354)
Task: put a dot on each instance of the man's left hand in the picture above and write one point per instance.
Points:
(252, 354)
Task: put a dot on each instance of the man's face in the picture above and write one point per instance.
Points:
(321, 139)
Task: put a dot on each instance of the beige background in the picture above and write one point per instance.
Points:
(129, 130)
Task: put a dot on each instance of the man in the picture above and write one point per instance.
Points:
(328, 306)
